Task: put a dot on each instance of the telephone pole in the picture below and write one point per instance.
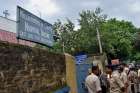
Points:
(99, 40)
(63, 47)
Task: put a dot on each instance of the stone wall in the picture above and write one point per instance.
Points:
(30, 70)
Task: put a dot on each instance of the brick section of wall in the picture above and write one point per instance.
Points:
(30, 70)
(11, 38)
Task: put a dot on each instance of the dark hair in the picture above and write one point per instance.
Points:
(109, 67)
(132, 68)
(113, 67)
(123, 64)
(120, 69)
(94, 68)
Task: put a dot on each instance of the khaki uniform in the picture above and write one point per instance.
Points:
(133, 80)
(138, 81)
(115, 83)
(124, 79)
(139, 73)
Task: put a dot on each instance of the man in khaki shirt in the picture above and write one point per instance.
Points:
(116, 85)
(138, 81)
(133, 79)
(123, 73)
(123, 76)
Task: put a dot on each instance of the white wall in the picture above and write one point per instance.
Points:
(7, 24)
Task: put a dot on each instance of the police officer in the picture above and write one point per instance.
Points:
(133, 79)
(123, 76)
(116, 85)
(138, 81)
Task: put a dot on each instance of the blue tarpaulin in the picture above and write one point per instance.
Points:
(63, 90)
(80, 57)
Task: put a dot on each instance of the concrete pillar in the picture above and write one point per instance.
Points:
(71, 73)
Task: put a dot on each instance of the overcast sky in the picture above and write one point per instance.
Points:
(51, 10)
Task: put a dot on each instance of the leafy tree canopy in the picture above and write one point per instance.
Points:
(118, 37)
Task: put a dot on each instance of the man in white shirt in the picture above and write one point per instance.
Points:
(92, 81)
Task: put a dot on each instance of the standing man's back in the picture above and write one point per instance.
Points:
(92, 81)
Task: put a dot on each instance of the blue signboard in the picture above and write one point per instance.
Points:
(32, 28)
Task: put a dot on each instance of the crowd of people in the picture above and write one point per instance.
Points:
(115, 79)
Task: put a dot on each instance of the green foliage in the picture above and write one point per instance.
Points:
(137, 41)
(117, 36)
(66, 35)
(89, 22)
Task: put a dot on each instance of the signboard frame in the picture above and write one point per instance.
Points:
(42, 27)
